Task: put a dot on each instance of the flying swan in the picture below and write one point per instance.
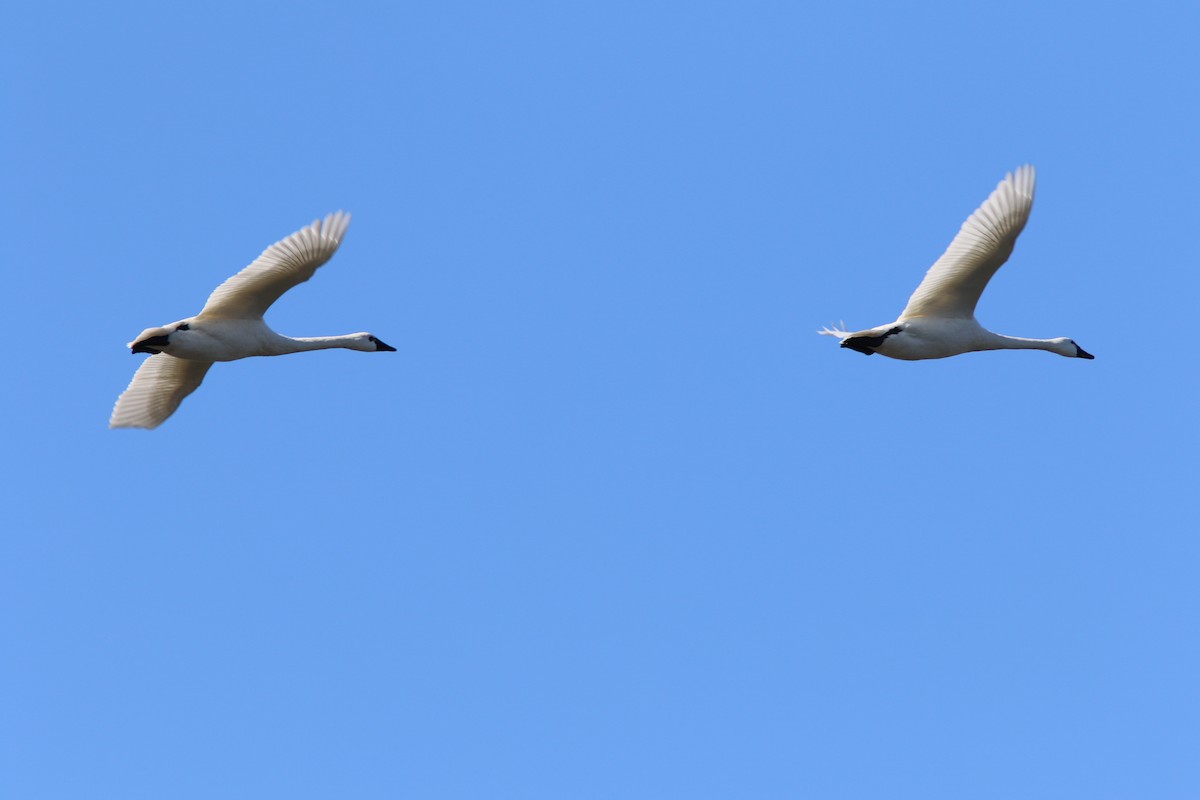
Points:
(230, 326)
(939, 320)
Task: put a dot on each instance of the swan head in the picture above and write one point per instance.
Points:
(1072, 350)
(156, 340)
(369, 343)
(1064, 347)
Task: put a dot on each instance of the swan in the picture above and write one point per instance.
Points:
(939, 320)
(230, 326)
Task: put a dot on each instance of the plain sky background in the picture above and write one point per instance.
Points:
(614, 522)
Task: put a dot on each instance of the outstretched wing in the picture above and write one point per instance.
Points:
(157, 389)
(248, 294)
(956, 280)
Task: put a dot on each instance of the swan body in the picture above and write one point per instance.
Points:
(939, 320)
(231, 327)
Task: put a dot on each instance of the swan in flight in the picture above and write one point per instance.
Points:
(939, 320)
(230, 326)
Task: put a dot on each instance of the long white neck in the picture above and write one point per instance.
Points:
(995, 341)
(351, 341)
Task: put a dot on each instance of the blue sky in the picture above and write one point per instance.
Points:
(613, 521)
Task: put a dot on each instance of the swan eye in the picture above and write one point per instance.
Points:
(183, 327)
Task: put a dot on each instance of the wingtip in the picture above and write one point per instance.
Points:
(333, 226)
(1023, 179)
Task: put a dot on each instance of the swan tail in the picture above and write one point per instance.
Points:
(839, 332)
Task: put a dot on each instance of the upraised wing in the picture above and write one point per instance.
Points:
(157, 389)
(290, 261)
(954, 283)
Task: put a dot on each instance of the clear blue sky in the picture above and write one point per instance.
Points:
(614, 522)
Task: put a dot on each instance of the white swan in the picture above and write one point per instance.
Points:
(939, 320)
(230, 326)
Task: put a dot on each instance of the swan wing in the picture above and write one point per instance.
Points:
(954, 283)
(290, 261)
(157, 389)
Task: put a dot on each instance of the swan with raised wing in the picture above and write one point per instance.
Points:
(231, 326)
(939, 320)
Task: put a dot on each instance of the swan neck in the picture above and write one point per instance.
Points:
(303, 344)
(1000, 342)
